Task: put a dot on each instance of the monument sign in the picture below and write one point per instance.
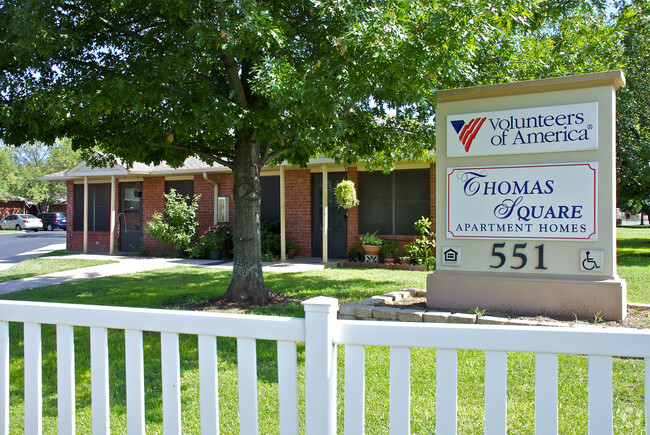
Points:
(525, 198)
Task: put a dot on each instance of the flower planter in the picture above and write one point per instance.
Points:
(371, 249)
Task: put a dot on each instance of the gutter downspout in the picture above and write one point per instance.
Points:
(216, 197)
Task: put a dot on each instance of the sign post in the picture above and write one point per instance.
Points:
(525, 198)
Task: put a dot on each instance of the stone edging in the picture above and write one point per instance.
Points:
(374, 308)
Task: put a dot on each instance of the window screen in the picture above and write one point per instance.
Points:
(391, 203)
(183, 187)
(99, 207)
(270, 211)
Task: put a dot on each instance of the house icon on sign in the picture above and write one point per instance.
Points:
(451, 256)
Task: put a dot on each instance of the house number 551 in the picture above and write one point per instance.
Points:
(518, 253)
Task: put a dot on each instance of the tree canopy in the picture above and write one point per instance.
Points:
(246, 83)
(633, 119)
(21, 167)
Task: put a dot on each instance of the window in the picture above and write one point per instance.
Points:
(391, 203)
(182, 187)
(270, 199)
(99, 207)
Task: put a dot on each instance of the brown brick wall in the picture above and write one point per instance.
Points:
(298, 209)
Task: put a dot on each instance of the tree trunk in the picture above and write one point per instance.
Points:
(247, 282)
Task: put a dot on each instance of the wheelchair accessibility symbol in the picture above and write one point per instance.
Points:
(591, 260)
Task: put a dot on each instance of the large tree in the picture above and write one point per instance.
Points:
(246, 83)
(633, 118)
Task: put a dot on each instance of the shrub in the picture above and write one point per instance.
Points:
(214, 237)
(177, 225)
(389, 247)
(270, 242)
(422, 250)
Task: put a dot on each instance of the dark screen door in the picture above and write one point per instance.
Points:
(130, 219)
(337, 218)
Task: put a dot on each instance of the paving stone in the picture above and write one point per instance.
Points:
(416, 292)
(383, 298)
(462, 318)
(408, 315)
(492, 320)
(371, 301)
(522, 322)
(435, 316)
(364, 311)
(348, 309)
(346, 317)
(388, 313)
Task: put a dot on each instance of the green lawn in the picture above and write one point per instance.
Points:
(44, 265)
(633, 260)
(180, 286)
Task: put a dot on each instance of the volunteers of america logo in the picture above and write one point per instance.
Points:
(467, 131)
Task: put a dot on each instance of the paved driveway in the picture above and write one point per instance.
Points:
(16, 247)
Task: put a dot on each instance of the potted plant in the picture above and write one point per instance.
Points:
(371, 243)
(292, 247)
(354, 253)
(346, 194)
(214, 239)
(389, 248)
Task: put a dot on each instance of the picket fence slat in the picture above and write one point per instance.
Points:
(208, 384)
(134, 360)
(600, 395)
(496, 382)
(400, 390)
(355, 372)
(99, 381)
(504, 338)
(546, 393)
(33, 379)
(146, 319)
(247, 377)
(171, 382)
(647, 395)
(446, 390)
(4, 377)
(322, 332)
(65, 378)
(288, 387)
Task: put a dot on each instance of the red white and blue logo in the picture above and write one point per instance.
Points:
(467, 131)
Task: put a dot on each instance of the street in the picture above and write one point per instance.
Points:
(16, 247)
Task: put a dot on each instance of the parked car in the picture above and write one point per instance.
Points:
(21, 222)
(52, 221)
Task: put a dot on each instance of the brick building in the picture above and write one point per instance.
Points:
(120, 201)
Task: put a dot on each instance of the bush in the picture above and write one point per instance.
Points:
(422, 250)
(177, 226)
(270, 242)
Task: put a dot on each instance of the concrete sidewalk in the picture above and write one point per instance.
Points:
(128, 264)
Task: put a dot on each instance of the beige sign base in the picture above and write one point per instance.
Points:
(529, 295)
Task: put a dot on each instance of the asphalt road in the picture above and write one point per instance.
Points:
(16, 247)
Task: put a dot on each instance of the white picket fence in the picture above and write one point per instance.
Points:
(321, 332)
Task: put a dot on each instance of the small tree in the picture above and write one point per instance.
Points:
(178, 225)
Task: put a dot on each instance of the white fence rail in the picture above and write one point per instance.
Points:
(321, 332)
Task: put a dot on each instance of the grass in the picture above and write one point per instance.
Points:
(44, 265)
(178, 286)
(633, 260)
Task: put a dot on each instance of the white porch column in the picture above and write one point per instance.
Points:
(325, 226)
(85, 215)
(283, 218)
(112, 231)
